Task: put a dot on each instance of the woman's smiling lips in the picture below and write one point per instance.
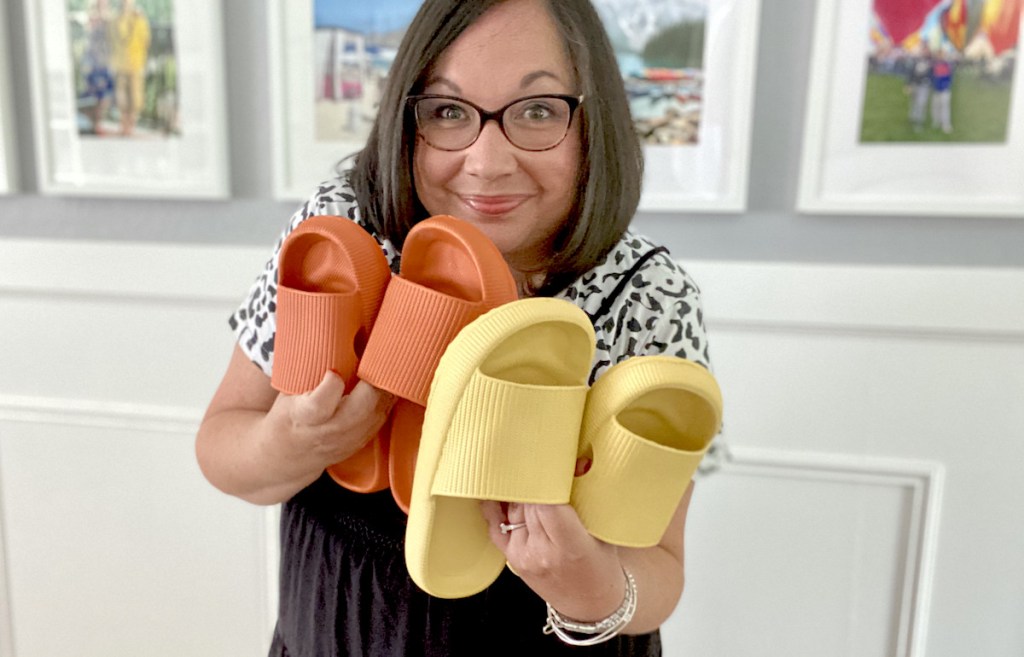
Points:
(494, 204)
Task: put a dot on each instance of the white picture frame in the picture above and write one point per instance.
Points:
(709, 176)
(8, 162)
(300, 159)
(839, 174)
(191, 161)
(712, 175)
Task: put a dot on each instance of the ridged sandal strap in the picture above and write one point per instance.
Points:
(414, 327)
(320, 331)
(511, 442)
(633, 486)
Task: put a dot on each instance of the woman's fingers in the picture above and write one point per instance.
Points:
(320, 404)
(561, 524)
(366, 406)
(325, 425)
(533, 535)
(494, 516)
(362, 406)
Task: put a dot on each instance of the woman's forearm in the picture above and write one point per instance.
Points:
(264, 447)
(659, 584)
(233, 454)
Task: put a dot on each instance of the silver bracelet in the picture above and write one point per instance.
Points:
(599, 631)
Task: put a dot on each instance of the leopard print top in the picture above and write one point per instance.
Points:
(641, 302)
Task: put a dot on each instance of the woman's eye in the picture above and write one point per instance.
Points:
(449, 113)
(537, 112)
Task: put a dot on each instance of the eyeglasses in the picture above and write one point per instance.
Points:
(533, 123)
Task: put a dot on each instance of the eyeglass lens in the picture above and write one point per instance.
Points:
(533, 124)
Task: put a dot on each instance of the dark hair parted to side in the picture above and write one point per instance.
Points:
(611, 168)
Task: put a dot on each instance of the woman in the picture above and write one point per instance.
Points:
(557, 207)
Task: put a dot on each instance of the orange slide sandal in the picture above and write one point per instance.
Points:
(451, 273)
(331, 282)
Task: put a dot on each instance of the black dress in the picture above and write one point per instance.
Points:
(345, 590)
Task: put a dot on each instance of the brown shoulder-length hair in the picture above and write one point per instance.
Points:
(611, 170)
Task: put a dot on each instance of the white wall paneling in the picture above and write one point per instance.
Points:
(843, 548)
(911, 370)
(6, 628)
(869, 509)
(113, 543)
(115, 546)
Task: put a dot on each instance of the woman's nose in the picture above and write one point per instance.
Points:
(492, 154)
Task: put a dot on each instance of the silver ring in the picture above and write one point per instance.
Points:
(508, 528)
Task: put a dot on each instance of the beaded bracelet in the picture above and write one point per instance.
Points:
(599, 631)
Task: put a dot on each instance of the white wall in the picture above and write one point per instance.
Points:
(872, 508)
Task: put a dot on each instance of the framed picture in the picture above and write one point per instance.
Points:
(8, 177)
(915, 108)
(688, 67)
(128, 97)
(329, 59)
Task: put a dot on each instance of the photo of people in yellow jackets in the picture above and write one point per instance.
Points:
(129, 38)
(126, 67)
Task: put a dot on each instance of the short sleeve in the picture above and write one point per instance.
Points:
(668, 313)
(675, 327)
(643, 303)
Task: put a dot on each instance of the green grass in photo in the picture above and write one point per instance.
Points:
(980, 108)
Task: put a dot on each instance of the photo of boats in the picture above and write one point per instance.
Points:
(354, 45)
(659, 45)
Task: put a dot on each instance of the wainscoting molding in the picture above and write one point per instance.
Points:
(86, 413)
(916, 302)
(923, 479)
(124, 281)
(6, 620)
(169, 422)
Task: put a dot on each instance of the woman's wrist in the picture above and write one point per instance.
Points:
(592, 593)
(587, 633)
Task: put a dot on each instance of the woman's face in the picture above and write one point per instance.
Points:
(518, 198)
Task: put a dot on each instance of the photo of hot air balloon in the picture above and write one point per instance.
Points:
(940, 70)
(914, 107)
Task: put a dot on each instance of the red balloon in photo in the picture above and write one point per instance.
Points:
(1004, 30)
(903, 17)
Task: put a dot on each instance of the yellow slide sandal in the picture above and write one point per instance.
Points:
(502, 423)
(647, 424)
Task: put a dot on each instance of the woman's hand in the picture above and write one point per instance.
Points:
(552, 552)
(581, 576)
(264, 447)
(312, 431)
